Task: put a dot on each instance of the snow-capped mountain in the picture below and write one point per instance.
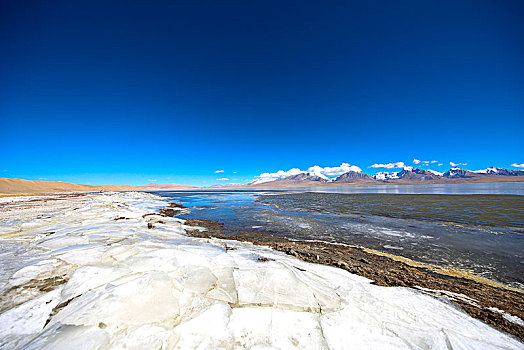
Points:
(260, 180)
(414, 174)
(457, 172)
(270, 177)
(491, 170)
(434, 172)
(384, 175)
(312, 176)
(296, 177)
(409, 173)
(499, 171)
(308, 177)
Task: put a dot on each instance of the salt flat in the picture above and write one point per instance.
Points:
(100, 274)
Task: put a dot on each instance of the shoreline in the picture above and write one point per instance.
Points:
(20, 187)
(375, 183)
(479, 297)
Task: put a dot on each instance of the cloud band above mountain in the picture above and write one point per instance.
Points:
(390, 165)
(316, 170)
(334, 171)
(457, 164)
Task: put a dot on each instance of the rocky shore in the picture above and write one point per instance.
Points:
(497, 305)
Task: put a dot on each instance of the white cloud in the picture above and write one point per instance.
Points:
(424, 162)
(234, 172)
(152, 180)
(323, 172)
(333, 171)
(223, 179)
(440, 164)
(513, 165)
(265, 177)
(389, 165)
(219, 171)
(317, 171)
(457, 164)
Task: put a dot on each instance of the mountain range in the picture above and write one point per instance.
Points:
(408, 175)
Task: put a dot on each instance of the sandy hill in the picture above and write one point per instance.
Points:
(17, 186)
(14, 186)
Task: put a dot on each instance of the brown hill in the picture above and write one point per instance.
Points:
(352, 177)
(15, 186)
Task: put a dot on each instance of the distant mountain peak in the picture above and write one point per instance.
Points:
(352, 176)
(415, 174)
(408, 174)
(306, 176)
(298, 177)
(457, 172)
(384, 175)
(499, 171)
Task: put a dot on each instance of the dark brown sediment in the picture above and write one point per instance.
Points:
(387, 271)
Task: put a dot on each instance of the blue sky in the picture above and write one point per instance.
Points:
(114, 92)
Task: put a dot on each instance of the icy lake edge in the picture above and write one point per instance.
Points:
(101, 258)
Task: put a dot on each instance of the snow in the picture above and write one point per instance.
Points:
(133, 287)
(454, 172)
(491, 170)
(434, 172)
(318, 172)
(386, 176)
(509, 317)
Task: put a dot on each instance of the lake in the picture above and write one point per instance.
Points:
(472, 227)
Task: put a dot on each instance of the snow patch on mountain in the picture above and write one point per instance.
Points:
(434, 172)
(383, 175)
(491, 170)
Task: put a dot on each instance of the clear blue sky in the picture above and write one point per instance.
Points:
(112, 92)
